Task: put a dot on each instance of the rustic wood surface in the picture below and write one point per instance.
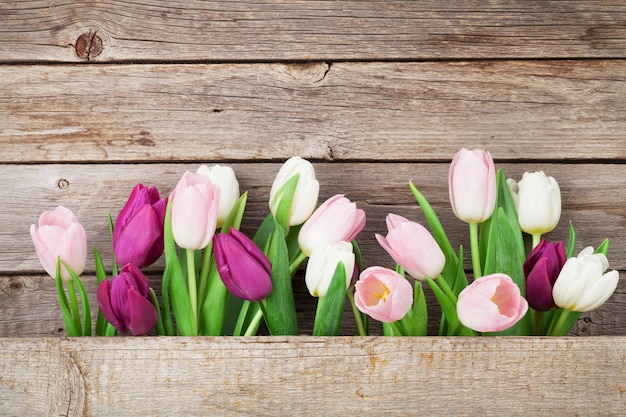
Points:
(310, 30)
(96, 96)
(375, 111)
(309, 376)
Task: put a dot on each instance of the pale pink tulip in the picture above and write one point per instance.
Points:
(195, 204)
(383, 294)
(472, 185)
(336, 220)
(59, 234)
(491, 304)
(413, 248)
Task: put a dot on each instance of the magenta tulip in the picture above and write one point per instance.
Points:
(138, 231)
(243, 267)
(125, 302)
(413, 248)
(542, 268)
(472, 185)
(383, 294)
(195, 205)
(491, 304)
(336, 220)
(59, 234)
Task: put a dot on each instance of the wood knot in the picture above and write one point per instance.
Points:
(88, 45)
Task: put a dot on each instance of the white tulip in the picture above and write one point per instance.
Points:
(322, 264)
(583, 284)
(224, 178)
(538, 202)
(307, 190)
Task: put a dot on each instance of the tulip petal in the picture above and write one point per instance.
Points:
(142, 315)
(104, 301)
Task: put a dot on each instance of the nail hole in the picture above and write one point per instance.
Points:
(62, 184)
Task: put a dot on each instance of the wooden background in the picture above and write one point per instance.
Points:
(96, 96)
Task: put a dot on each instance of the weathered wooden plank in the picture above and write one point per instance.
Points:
(345, 111)
(592, 198)
(310, 376)
(29, 307)
(309, 30)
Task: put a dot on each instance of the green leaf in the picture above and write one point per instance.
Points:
(279, 306)
(183, 313)
(159, 330)
(84, 301)
(115, 271)
(284, 196)
(603, 248)
(447, 307)
(330, 308)
(571, 243)
(101, 275)
(213, 309)
(70, 325)
(419, 313)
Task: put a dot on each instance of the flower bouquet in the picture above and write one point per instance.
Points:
(219, 281)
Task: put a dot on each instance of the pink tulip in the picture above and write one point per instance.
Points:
(383, 294)
(195, 204)
(413, 248)
(336, 220)
(138, 231)
(60, 235)
(491, 304)
(125, 302)
(472, 185)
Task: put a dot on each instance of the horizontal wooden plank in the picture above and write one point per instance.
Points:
(105, 31)
(22, 316)
(309, 376)
(345, 111)
(592, 198)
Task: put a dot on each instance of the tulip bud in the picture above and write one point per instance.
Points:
(322, 264)
(307, 190)
(472, 185)
(336, 220)
(138, 231)
(243, 267)
(383, 294)
(195, 203)
(125, 302)
(491, 304)
(59, 234)
(583, 284)
(538, 202)
(224, 178)
(541, 269)
(413, 248)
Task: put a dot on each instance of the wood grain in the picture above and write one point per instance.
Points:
(345, 111)
(309, 30)
(18, 317)
(309, 376)
(592, 198)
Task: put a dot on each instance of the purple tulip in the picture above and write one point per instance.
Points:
(138, 231)
(125, 302)
(243, 267)
(542, 268)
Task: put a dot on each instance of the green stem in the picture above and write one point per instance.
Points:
(254, 323)
(204, 273)
(536, 239)
(357, 315)
(446, 289)
(475, 251)
(297, 262)
(74, 305)
(191, 281)
(556, 330)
